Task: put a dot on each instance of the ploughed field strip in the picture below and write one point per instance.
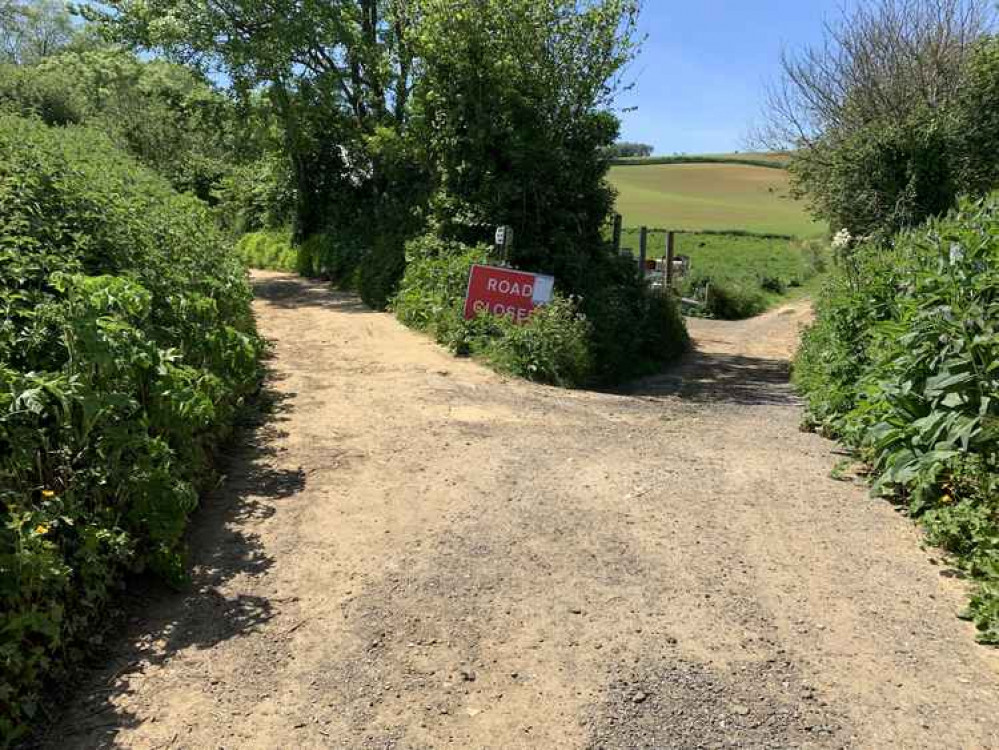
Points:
(413, 552)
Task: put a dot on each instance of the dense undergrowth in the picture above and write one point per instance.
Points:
(615, 330)
(126, 348)
(903, 366)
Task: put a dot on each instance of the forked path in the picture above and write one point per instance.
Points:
(414, 552)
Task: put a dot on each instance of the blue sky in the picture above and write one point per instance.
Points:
(700, 79)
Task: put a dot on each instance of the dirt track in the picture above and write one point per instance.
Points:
(416, 553)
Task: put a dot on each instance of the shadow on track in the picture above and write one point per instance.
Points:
(290, 292)
(711, 378)
(161, 622)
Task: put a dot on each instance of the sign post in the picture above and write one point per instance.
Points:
(504, 241)
(502, 291)
(670, 257)
(643, 249)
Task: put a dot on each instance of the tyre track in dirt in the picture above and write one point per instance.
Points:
(414, 552)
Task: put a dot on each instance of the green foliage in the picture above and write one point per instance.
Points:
(884, 176)
(126, 348)
(551, 347)
(526, 146)
(269, 249)
(635, 332)
(727, 300)
(903, 365)
(31, 30)
(256, 195)
(629, 150)
(167, 116)
(906, 160)
(436, 279)
(977, 117)
(329, 257)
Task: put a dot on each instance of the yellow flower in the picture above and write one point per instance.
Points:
(41, 529)
(48, 493)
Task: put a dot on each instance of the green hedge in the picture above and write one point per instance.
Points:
(903, 365)
(126, 348)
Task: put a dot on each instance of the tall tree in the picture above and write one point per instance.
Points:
(513, 108)
(337, 70)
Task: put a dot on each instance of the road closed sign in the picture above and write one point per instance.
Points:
(501, 291)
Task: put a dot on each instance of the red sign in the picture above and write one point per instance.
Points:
(500, 291)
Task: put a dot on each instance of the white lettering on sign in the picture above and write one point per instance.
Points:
(514, 289)
(519, 314)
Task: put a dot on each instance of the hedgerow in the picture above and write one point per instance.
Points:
(126, 348)
(903, 366)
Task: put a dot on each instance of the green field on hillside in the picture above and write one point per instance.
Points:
(753, 272)
(704, 196)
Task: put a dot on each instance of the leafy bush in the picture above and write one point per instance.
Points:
(634, 331)
(329, 257)
(380, 273)
(883, 177)
(256, 196)
(269, 249)
(127, 346)
(620, 331)
(903, 365)
(436, 280)
(551, 347)
(885, 151)
(728, 300)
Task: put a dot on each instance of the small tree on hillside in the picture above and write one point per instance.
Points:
(870, 112)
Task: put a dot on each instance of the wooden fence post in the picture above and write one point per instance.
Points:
(617, 233)
(643, 247)
(670, 255)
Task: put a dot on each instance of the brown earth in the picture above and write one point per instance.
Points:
(414, 552)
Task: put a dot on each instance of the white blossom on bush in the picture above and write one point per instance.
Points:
(842, 239)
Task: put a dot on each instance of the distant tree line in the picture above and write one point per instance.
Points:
(628, 150)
